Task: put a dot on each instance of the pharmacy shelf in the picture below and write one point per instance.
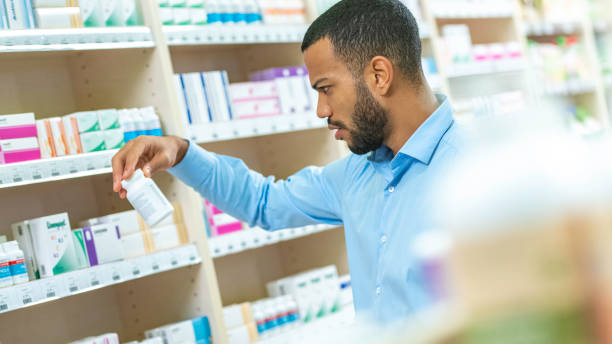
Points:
(218, 34)
(570, 88)
(601, 26)
(82, 281)
(41, 40)
(545, 28)
(484, 68)
(61, 168)
(471, 11)
(319, 330)
(256, 237)
(243, 128)
(186, 35)
(607, 79)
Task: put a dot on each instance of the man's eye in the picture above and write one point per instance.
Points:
(325, 89)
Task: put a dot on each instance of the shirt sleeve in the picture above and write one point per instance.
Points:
(310, 196)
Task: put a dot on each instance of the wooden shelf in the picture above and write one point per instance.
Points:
(244, 128)
(54, 169)
(45, 40)
(256, 237)
(81, 281)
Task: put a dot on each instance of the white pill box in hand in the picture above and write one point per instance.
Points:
(147, 198)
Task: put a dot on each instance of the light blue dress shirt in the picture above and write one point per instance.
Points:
(383, 201)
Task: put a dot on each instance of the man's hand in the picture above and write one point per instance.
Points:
(149, 153)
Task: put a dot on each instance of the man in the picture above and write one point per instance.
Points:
(364, 60)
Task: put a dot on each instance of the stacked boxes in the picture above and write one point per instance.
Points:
(219, 223)
(49, 246)
(23, 138)
(200, 12)
(64, 14)
(240, 324)
(294, 92)
(136, 238)
(18, 140)
(283, 12)
(205, 96)
(196, 331)
(316, 291)
(56, 14)
(208, 97)
(101, 243)
(254, 99)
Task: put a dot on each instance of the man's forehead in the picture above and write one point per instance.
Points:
(321, 60)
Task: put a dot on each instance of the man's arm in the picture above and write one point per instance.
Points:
(310, 196)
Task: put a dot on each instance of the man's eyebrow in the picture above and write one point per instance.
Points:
(316, 84)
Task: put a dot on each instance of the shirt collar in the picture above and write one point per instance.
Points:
(423, 143)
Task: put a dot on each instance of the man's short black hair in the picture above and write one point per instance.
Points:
(362, 29)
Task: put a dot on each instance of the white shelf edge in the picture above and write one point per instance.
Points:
(245, 128)
(54, 169)
(84, 39)
(544, 28)
(35, 292)
(192, 35)
(570, 88)
(484, 68)
(253, 238)
(244, 34)
(472, 12)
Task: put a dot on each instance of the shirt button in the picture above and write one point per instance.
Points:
(383, 239)
(391, 189)
(378, 290)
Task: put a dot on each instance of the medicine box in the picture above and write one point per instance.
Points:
(17, 150)
(102, 243)
(17, 126)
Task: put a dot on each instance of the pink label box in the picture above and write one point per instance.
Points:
(219, 222)
(18, 150)
(17, 126)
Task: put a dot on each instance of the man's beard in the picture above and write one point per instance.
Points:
(370, 120)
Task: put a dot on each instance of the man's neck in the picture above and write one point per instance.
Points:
(408, 112)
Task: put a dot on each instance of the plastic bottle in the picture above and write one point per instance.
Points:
(293, 311)
(269, 311)
(260, 319)
(17, 265)
(140, 125)
(252, 13)
(128, 124)
(151, 120)
(146, 198)
(238, 11)
(5, 272)
(282, 314)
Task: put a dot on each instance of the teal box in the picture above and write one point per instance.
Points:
(113, 139)
(109, 119)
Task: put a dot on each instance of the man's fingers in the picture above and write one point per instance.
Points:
(133, 156)
(159, 161)
(118, 164)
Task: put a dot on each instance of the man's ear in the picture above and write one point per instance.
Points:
(379, 75)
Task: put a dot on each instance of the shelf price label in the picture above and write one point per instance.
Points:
(94, 278)
(72, 283)
(28, 293)
(116, 275)
(145, 265)
(51, 288)
(7, 300)
(134, 268)
(36, 172)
